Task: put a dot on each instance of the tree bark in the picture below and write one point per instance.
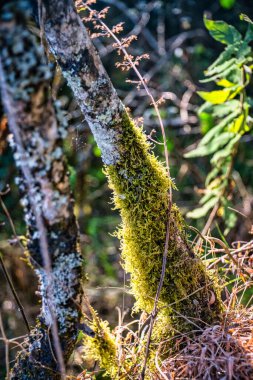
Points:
(139, 182)
(38, 129)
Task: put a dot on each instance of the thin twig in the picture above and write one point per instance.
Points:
(134, 18)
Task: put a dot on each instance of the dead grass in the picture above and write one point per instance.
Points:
(223, 351)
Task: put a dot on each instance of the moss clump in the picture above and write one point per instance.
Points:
(140, 186)
(103, 346)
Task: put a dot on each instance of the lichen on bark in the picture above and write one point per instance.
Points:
(38, 130)
(85, 75)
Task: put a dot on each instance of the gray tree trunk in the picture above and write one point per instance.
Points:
(38, 130)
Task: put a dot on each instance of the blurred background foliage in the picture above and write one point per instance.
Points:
(172, 32)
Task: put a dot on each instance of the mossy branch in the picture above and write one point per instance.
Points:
(139, 182)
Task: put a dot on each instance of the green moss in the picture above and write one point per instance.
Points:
(140, 189)
(140, 186)
(102, 347)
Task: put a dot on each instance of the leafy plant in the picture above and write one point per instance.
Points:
(227, 4)
(229, 108)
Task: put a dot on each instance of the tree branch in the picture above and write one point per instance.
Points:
(139, 181)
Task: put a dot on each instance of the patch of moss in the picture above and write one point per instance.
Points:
(140, 189)
(102, 347)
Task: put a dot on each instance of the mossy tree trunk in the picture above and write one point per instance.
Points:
(38, 129)
(139, 183)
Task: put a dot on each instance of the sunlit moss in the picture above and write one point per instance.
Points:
(140, 187)
(140, 190)
(102, 347)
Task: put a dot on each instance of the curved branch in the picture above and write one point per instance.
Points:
(139, 182)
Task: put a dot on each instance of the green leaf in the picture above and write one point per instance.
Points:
(232, 74)
(219, 127)
(249, 34)
(215, 97)
(230, 219)
(218, 184)
(227, 4)
(206, 122)
(210, 194)
(230, 107)
(213, 145)
(219, 96)
(202, 211)
(243, 50)
(240, 50)
(224, 56)
(249, 100)
(213, 174)
(237, 124)
(219, 69)
(220, 110)
(245, 18)
(225, 151)
(170, 144)
(222, 32)
(225, 83)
